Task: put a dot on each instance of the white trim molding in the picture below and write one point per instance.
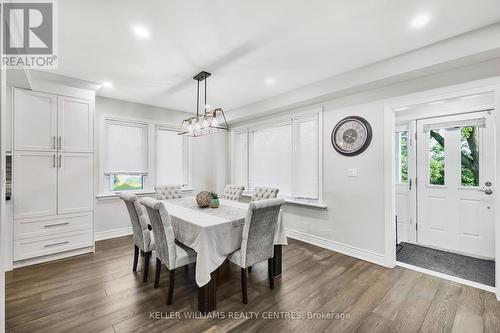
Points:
(352, 251)
(447, 277)
(115, 233)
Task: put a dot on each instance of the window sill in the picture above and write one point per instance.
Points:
(141, 193)
(295, 202)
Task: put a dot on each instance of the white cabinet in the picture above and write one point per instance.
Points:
(75, 124)
(75, 183)
(35, 184)
(35, 121)
(53, 174)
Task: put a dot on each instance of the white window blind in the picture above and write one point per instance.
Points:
(125, 150)
(306, 158)
(271, 158)
(239, 158)
(171, 157)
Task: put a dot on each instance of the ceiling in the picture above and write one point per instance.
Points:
(244, 44)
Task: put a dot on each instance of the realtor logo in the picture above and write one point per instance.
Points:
(28, 34)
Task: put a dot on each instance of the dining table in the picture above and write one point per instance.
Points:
(215, 233)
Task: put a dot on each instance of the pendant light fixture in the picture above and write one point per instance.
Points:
(212, 121)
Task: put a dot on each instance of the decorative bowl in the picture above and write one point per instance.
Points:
(203, 199)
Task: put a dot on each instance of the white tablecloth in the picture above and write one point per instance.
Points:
(213, 233)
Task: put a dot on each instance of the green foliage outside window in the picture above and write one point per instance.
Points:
(404, 156)
(470, 156)
(436, 159)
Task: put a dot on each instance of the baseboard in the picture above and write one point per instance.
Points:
(52, 257)
(351, 251)
(108, 234)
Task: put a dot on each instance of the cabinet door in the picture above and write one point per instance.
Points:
(35, 120)
(75, 124)
(34, 184)
(75, 182)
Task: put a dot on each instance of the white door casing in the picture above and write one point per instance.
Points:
(34, 184)
(35, 120)
(75, 124)
(452, 216)
(75, 183)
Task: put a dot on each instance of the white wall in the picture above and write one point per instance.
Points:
(354, 222)
(209, 160)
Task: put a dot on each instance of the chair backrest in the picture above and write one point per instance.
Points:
(257, 243)
(139, 220)
(164, 192)
(264, 193)
(233, 192)
(162, 230)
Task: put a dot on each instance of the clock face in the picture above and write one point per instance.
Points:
(351, 136)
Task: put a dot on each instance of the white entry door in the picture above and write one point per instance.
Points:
(455, 167)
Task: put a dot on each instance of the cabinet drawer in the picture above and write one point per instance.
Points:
(36, 247)
(45, 226)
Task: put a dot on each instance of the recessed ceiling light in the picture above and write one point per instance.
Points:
(107, 84)
(270, 81)
(420, 21)
(402, 108)
(141, 31)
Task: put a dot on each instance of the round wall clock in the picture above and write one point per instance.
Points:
(351, 136)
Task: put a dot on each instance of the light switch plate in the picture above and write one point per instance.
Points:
(352, 172)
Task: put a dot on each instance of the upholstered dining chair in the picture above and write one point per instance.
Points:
(143, 238)
(257, 243)
(263, 193)
(233, 192)
(164, 192)
(169, 253)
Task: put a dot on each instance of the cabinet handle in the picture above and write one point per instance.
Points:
(54, 160)
(60, 141)
(55, 224)
(56, 244)
(60, 160)
(54, 142)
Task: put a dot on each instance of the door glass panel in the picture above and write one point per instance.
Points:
(436, 157)
(402, 157)
(469, 152)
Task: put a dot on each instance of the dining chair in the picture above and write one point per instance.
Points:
(143, 238)
(168, 252)
(165, 192)
(257, 242)
(263, 193)
(233, 192)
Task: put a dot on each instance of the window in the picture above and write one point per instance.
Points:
(271, 158)
(402, 157)
(125, 154)
(126, 182)
(436, 157)
(469, 137)
(281, 153)
(172, 158)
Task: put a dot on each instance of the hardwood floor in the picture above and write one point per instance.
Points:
(100, 293)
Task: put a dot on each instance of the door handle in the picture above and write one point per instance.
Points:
(60, 142)
(56, 244)
(54, 160)
(487, 191)
(55, 224)
(60, 160)
(54, 142)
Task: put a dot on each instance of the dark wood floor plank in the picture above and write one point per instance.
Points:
(99, 293)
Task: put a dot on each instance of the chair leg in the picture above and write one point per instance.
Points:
(171, 283)
(147, 256)
(244, 285)
(249, 269)
(270, 272)
(136, 258)
(157, 273)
